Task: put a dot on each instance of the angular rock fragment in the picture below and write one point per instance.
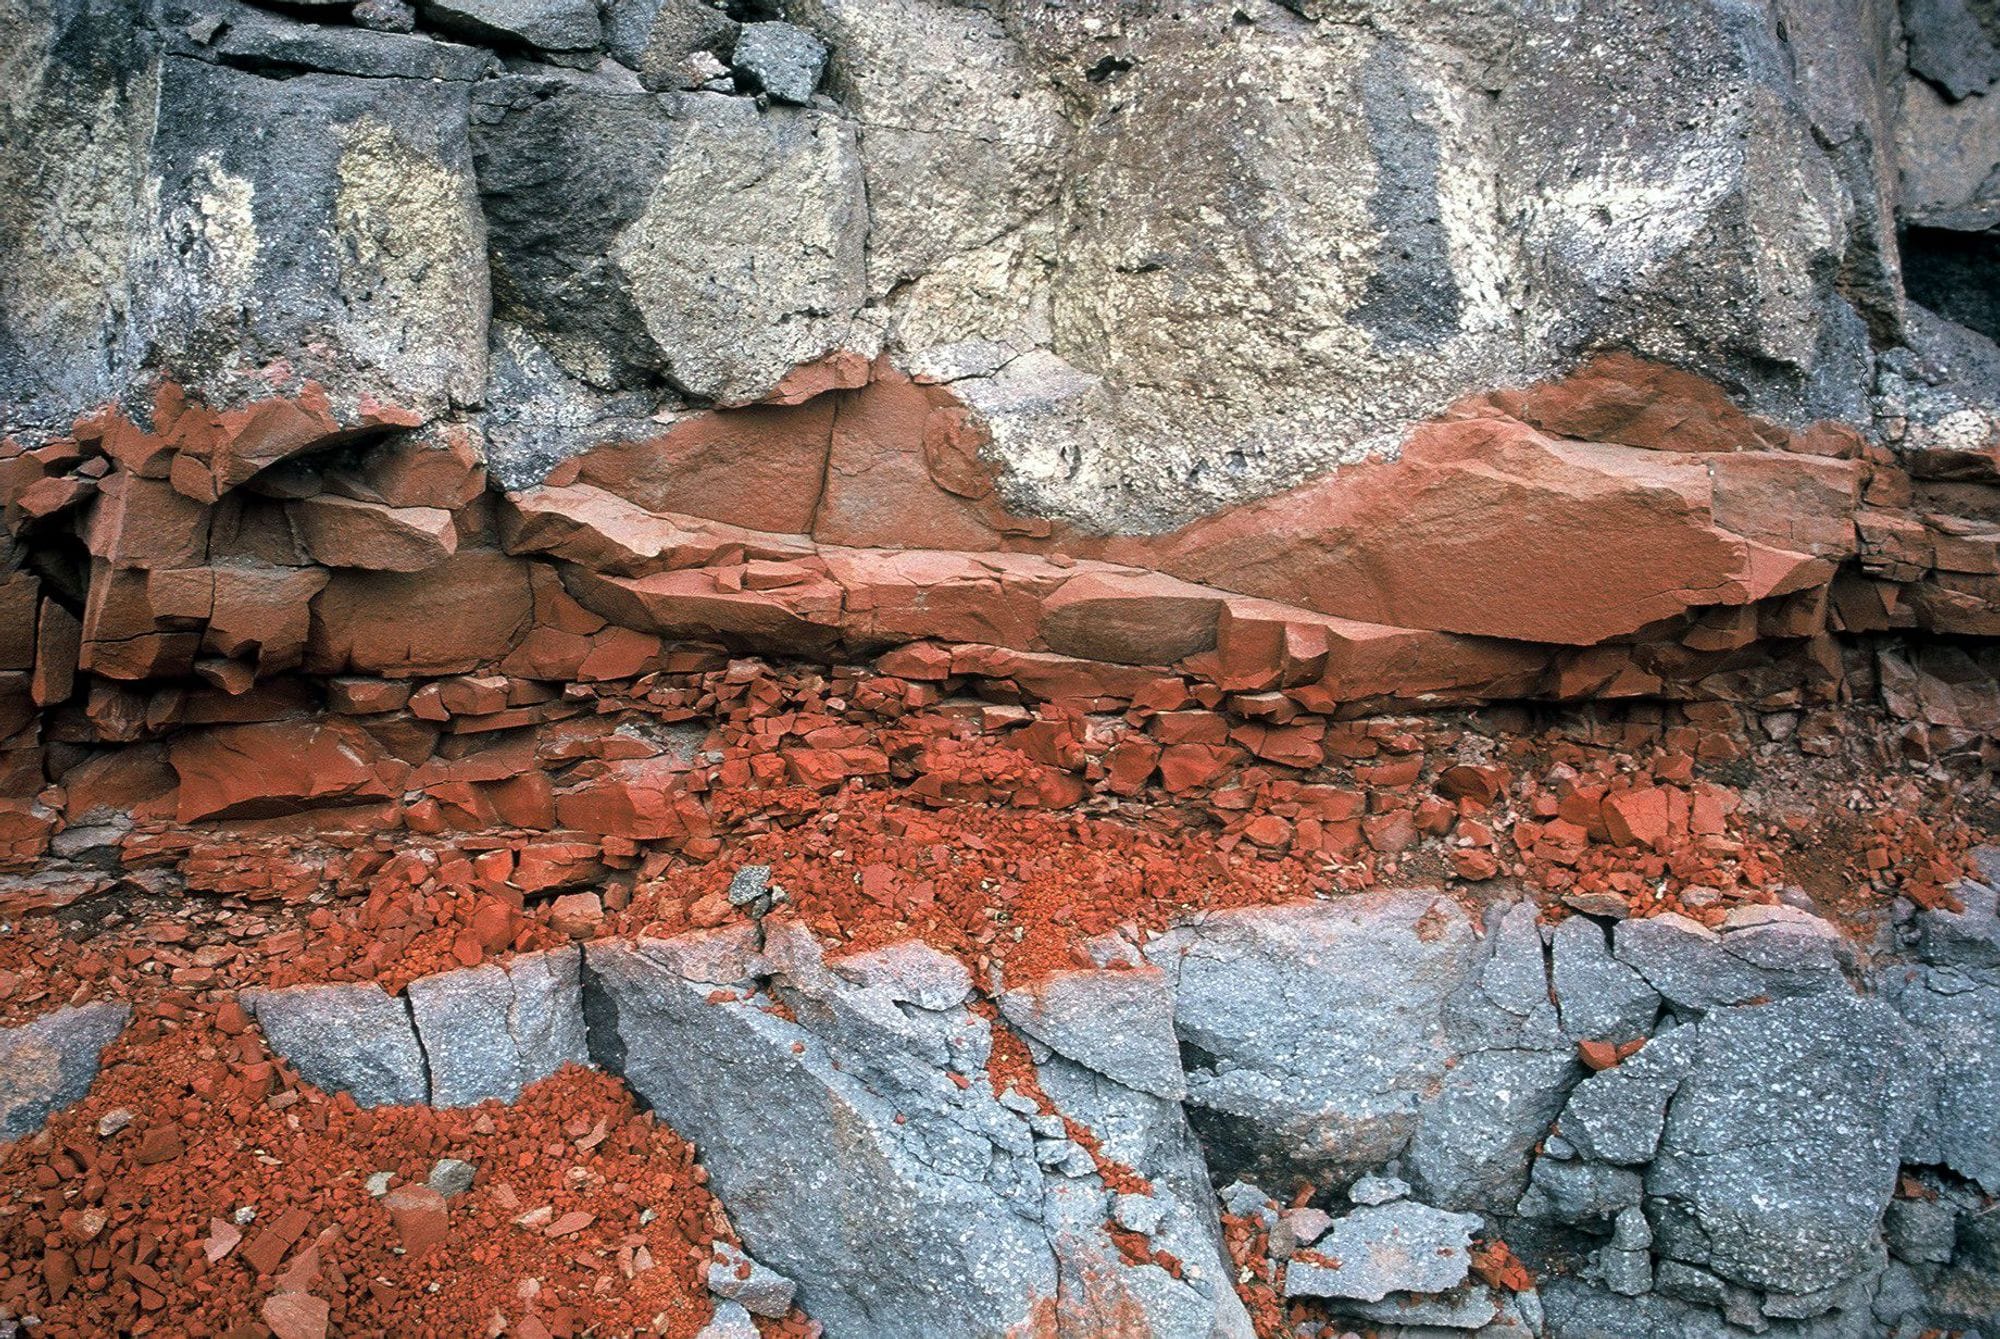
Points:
(861, 1151)
(490, 1031)
(356, 1039)
(344, 532)
(553, 25)
(1375, 1251)
(1312, 1032)
(47, 1064)
(780, 59)
(735, 1277)
(1119, 1023)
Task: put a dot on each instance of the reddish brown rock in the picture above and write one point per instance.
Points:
(20, 608)
(993, 598)
(758, 467)
(1616, 397)
(444, 473)
(692, 604)
(422, 1220)
(1485, 527)
(600, 530)
(58, 642)
(275, 768)
(215, 452)
(344, 532)
(1131, 618)
(139, 522)
(467, 611)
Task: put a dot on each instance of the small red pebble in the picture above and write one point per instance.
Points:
(420, 1217)
(1597, 1054)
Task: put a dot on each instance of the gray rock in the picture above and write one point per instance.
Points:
(1119, 1023)
(1137, 1213)
(1618, 1114)
(1950, 46)
(748, 884)
(1627, 1273)
(1374, 1251)
(1580, 1310)
(254, 36)
(1601, 999)
(1696, 968)
(451, 1176)
(349, 1038)
(780, 59)
(1630, 1231)
(731, 1321)
(1313, 1033)
(50, 1063)
(735, 1277)
(267, 243)
(388, 16)
(900, 1202)
(1579, 1192)
(490, 1031)
(634, 236)
(1956, 1012)
(553, 25)
(1372, 1189)
(1472, 1306)
(1920, 1231)
(657, 38)
(1472, 1142)
(1782, 1143)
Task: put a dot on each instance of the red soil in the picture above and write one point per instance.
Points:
(114, 1234)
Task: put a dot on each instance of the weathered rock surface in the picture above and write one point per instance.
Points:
(1400, 1247)
(924, 1205)
(354, 1039)
(1312, 1033)
(1781, 1146)
(49, 1063)
(489, 1031)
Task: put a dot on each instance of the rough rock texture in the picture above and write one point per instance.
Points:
(49, 1063)
(1369, 221)
(489, 1031)
(355, 1039)
(863, 1150)
(1750, 1167)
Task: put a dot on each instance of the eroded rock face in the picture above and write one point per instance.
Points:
(683, 208)
(865, 1150)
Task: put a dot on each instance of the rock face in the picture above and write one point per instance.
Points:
(490, 1031)
(872, 1151)
(891, 1146)
(346, 1038)
(687, 206)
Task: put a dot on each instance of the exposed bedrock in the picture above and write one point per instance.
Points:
(1773, 1145)
(1174, 259)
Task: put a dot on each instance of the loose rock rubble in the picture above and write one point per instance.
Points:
(702, 669)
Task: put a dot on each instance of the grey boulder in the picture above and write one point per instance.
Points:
(1782, 1144)
(1314, 1032)
(49, 1064)
(860, 1150)
(780, 59)
(553, 25)
(490, 1031)
(1372, 1252)
(350, 1038)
